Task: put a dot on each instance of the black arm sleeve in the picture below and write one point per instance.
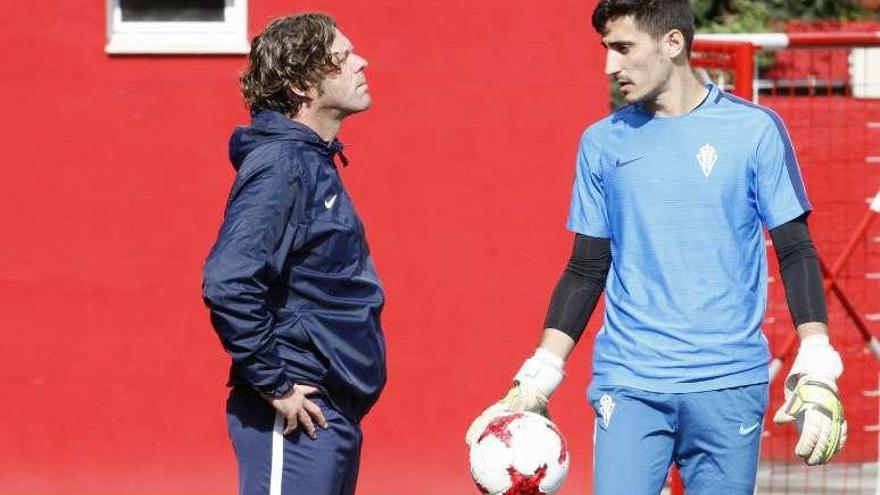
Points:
(580, 286)
(799, 268)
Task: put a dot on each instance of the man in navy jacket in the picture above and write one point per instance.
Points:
(291, 286)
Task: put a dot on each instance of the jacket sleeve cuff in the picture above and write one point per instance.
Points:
(277, 390)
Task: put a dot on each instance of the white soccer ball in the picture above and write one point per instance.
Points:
(519, 453)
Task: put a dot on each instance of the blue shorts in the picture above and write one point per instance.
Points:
(714, 437)
(272, 464)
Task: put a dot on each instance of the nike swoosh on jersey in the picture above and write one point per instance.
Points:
(745, 431)
(328, 203)
(621, 163)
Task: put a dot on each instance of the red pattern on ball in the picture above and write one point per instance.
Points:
(498, 428)
(526, 485)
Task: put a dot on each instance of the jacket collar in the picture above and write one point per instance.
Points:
(270, 119)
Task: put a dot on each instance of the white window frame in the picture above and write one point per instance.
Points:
(172, 37)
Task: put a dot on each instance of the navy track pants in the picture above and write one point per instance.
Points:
(272, 464)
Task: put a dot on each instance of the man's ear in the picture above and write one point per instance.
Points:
(299, 91)
(673, 44)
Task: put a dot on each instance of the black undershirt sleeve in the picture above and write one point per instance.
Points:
(800, 271)
(578, 290)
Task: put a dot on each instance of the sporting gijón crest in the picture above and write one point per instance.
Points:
(707, 157)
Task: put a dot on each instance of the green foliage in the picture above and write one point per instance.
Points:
(730, 16)
(817, 9)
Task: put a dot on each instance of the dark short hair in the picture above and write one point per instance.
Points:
(656, 17)
(292, 52)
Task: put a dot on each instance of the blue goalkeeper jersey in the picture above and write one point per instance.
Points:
(685, 200)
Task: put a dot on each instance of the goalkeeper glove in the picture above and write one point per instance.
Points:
(533, 385)
(811, 399)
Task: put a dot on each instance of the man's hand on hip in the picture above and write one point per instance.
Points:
(298, 410)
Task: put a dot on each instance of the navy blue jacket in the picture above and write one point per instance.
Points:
(290, 283)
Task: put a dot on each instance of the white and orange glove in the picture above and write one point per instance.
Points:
(533, 385)
(811, 399)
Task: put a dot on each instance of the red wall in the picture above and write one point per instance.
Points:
(114, 177)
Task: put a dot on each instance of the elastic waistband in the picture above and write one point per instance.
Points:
(340, 402)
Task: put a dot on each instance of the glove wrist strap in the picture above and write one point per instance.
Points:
(543, 371)
(817, 359)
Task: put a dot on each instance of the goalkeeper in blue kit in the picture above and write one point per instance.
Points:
(671, 198)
